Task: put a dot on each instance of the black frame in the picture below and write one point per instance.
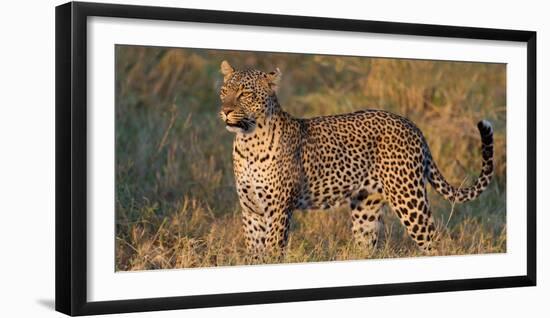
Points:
(71, 157)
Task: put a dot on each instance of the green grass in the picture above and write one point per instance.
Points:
(176, 204)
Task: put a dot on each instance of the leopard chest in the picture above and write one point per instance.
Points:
(256, 173)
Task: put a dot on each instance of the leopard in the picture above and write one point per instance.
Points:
(366, 159)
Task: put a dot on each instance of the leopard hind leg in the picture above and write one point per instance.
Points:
(366, 218)
(410, 203)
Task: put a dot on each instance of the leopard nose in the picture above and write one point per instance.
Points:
(227, 110)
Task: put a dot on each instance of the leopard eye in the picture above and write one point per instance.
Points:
(223, 92)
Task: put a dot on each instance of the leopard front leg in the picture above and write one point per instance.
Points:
(266, 233)
(278, 223)
(254, 229)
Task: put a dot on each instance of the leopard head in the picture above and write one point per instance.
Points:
(246, 97)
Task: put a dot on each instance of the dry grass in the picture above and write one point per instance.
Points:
(176, 204)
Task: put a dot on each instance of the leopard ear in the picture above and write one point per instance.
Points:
(274, 78)
(226, 69)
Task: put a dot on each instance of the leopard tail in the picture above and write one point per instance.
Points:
(458, 195)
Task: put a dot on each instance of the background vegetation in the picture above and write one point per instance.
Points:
(176, 204)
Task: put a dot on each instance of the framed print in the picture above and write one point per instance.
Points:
(208, 158)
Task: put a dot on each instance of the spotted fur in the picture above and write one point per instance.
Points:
(365, 159)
